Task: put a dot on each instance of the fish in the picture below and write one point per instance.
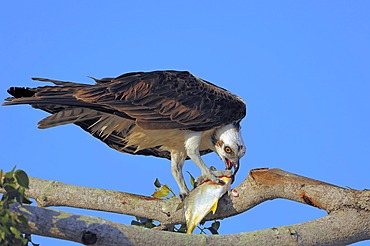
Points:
(204, 199)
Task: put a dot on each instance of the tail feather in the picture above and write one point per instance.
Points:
(19, 92)
(58, 82)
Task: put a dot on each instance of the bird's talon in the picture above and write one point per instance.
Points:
(211, 176)
(232, 178)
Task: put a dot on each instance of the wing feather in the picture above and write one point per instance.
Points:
(110, 108)
(67, 116)
(155, 100)
(167, 99)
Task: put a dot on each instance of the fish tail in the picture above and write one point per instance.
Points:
(191, 228)
(214, 207)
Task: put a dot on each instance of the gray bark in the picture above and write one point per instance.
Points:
(348, 218)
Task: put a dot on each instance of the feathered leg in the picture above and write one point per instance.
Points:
(192, 142)
(177, 162)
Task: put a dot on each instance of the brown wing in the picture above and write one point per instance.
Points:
(165, 100)
(153, 100)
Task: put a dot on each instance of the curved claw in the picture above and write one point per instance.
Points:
(211, 176)
(232, 178)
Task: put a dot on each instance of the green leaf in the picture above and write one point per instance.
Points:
(157, 183)
(4, 219)
(10, 188)
(136, 223)
(144, 220)
(22, 178)
(24, 242)
(5, 204)
(171, 228)
(216, 225)
(26, 200)
(22, 219)
(161, 192)
(149, 225)
(5, 229)
(11, 173)
(212, 230)
(192, 179)
(14, 183)
(19, 195)
(15, 232)
(182, 229)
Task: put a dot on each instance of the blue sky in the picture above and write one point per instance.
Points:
(302, 67)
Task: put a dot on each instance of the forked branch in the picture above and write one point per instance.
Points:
(348, 218)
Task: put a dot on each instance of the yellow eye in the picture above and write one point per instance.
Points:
(227, 149)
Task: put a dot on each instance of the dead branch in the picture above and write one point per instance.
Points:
(260, 185)
(338, 228)
(348, 218)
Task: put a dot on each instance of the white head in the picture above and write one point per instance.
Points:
(229, 145)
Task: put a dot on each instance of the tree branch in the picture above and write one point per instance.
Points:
(260, 185)
(348, 218)
(341, 228)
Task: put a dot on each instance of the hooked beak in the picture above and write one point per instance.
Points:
(229, 164)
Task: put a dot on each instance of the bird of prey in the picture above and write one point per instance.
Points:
(169, 114)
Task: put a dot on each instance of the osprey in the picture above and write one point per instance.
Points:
(169, 114)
